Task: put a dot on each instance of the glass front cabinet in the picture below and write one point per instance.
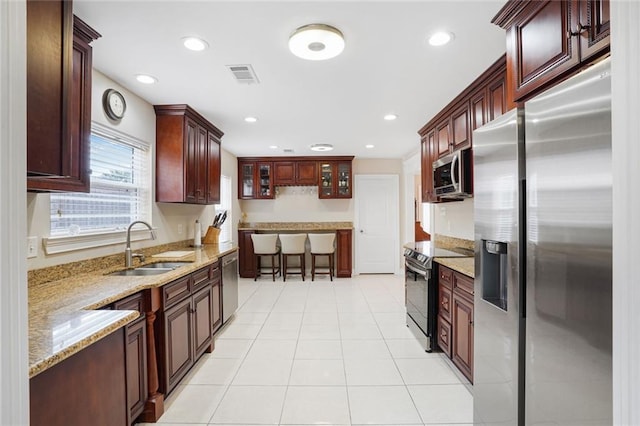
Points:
(335, 179)
(255, 179)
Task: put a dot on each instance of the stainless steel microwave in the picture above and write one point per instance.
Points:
(452, 175)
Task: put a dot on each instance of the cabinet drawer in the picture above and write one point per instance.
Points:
(462, 282)
(444, 336)
(135, 302)
(444, 302)
(445, 276)
(200, 279)
(214, 271)
(176, 291)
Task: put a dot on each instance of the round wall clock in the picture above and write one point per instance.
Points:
(114, 104)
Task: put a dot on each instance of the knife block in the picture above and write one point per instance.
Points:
(211, 237)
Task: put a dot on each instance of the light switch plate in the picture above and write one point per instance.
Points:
(32, 247)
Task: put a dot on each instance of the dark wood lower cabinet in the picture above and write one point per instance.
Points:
(246, 260)
(344, 253)
(202, 320)
(136, 367)
(86, 389)
(178, 343)
(455, 318)
(462, 348)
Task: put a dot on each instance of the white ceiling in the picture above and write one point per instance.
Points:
(387, 67)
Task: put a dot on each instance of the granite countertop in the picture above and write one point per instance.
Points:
(294, 226)
(63, 318)
(464, 265)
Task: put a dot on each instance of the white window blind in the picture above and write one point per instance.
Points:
(120, 188)
(225, 204)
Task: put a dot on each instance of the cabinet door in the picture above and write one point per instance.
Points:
(307, 173)
(265, 181)
(201, 165)
(538, 48)
(191, 173)
(136, 367)
(178, 349)
(478, 109)
(213, 169)
(202, 320)
(444, 335)
(443, 137)
(497, 94)
(327, 180)
(246, 179)
(427, 158)
(284, 173)
(462, 350)
(445, 302)
(59, 67)
(461, 136)
(344, 249)
(246, 260)
(594, 21)
(344, 182)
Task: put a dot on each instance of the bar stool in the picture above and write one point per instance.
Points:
(292, 245)
(265, 245)
(322, 245)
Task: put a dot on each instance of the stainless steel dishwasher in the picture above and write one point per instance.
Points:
(229, 285)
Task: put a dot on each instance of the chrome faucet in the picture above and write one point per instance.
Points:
(128, 256)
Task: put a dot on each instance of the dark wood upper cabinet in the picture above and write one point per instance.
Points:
(257, 176)
(461, 136)
(427, 158)
(443, 137)
(547, 41)
(59, 66)
(187, 156)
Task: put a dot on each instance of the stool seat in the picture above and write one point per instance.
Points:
(266, 245)
(292, 245)
(322, 245)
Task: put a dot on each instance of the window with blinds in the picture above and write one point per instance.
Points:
(120, 188)
(225, 204)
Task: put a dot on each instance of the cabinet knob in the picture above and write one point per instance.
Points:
(579, 30)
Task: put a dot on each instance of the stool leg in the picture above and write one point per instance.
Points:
(302, 266)
(284, 267)
(273, 267)
(331, 266)
(313, 267)
(256, 259)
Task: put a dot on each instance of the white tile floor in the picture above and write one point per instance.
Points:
(303, 353)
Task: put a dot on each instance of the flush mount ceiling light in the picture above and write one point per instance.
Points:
(316, 42)
(250, 119)
(146, 79)
(321, 147)
(440, 38)
(273, 147)
(194, 43)
(390, 117)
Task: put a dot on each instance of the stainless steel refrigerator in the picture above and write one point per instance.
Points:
(543, 306)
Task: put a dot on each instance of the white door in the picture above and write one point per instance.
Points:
(377, 224)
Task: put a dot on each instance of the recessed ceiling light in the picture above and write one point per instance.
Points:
(390, 117)
(194, 43)
(273, 147)
(146, 79)
(250, 119)
(316, 42)
(440, 38)
(321, 147)
(369, 146)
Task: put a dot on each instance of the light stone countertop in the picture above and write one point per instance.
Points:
(63, 318)
(294, 226)
(464, 265)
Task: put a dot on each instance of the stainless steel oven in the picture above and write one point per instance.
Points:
(420, 293)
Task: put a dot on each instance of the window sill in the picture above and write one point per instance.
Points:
(67, 243)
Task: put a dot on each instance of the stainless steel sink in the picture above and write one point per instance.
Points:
(141, 272)
(164, 265)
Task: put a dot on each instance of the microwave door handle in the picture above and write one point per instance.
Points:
(453, 170)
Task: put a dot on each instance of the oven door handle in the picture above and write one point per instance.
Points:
(414, 269)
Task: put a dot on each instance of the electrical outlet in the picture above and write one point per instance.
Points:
(180, 230)
(32, 247)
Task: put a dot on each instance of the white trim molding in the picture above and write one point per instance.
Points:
(14, 322)
(625, 96)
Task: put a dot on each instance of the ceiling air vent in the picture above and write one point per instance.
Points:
(288, 150)
(244, 74)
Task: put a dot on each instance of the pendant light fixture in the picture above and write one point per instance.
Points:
(316, 42)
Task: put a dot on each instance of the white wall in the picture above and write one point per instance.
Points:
(14, 378)
(139, 122)
(455, 219)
